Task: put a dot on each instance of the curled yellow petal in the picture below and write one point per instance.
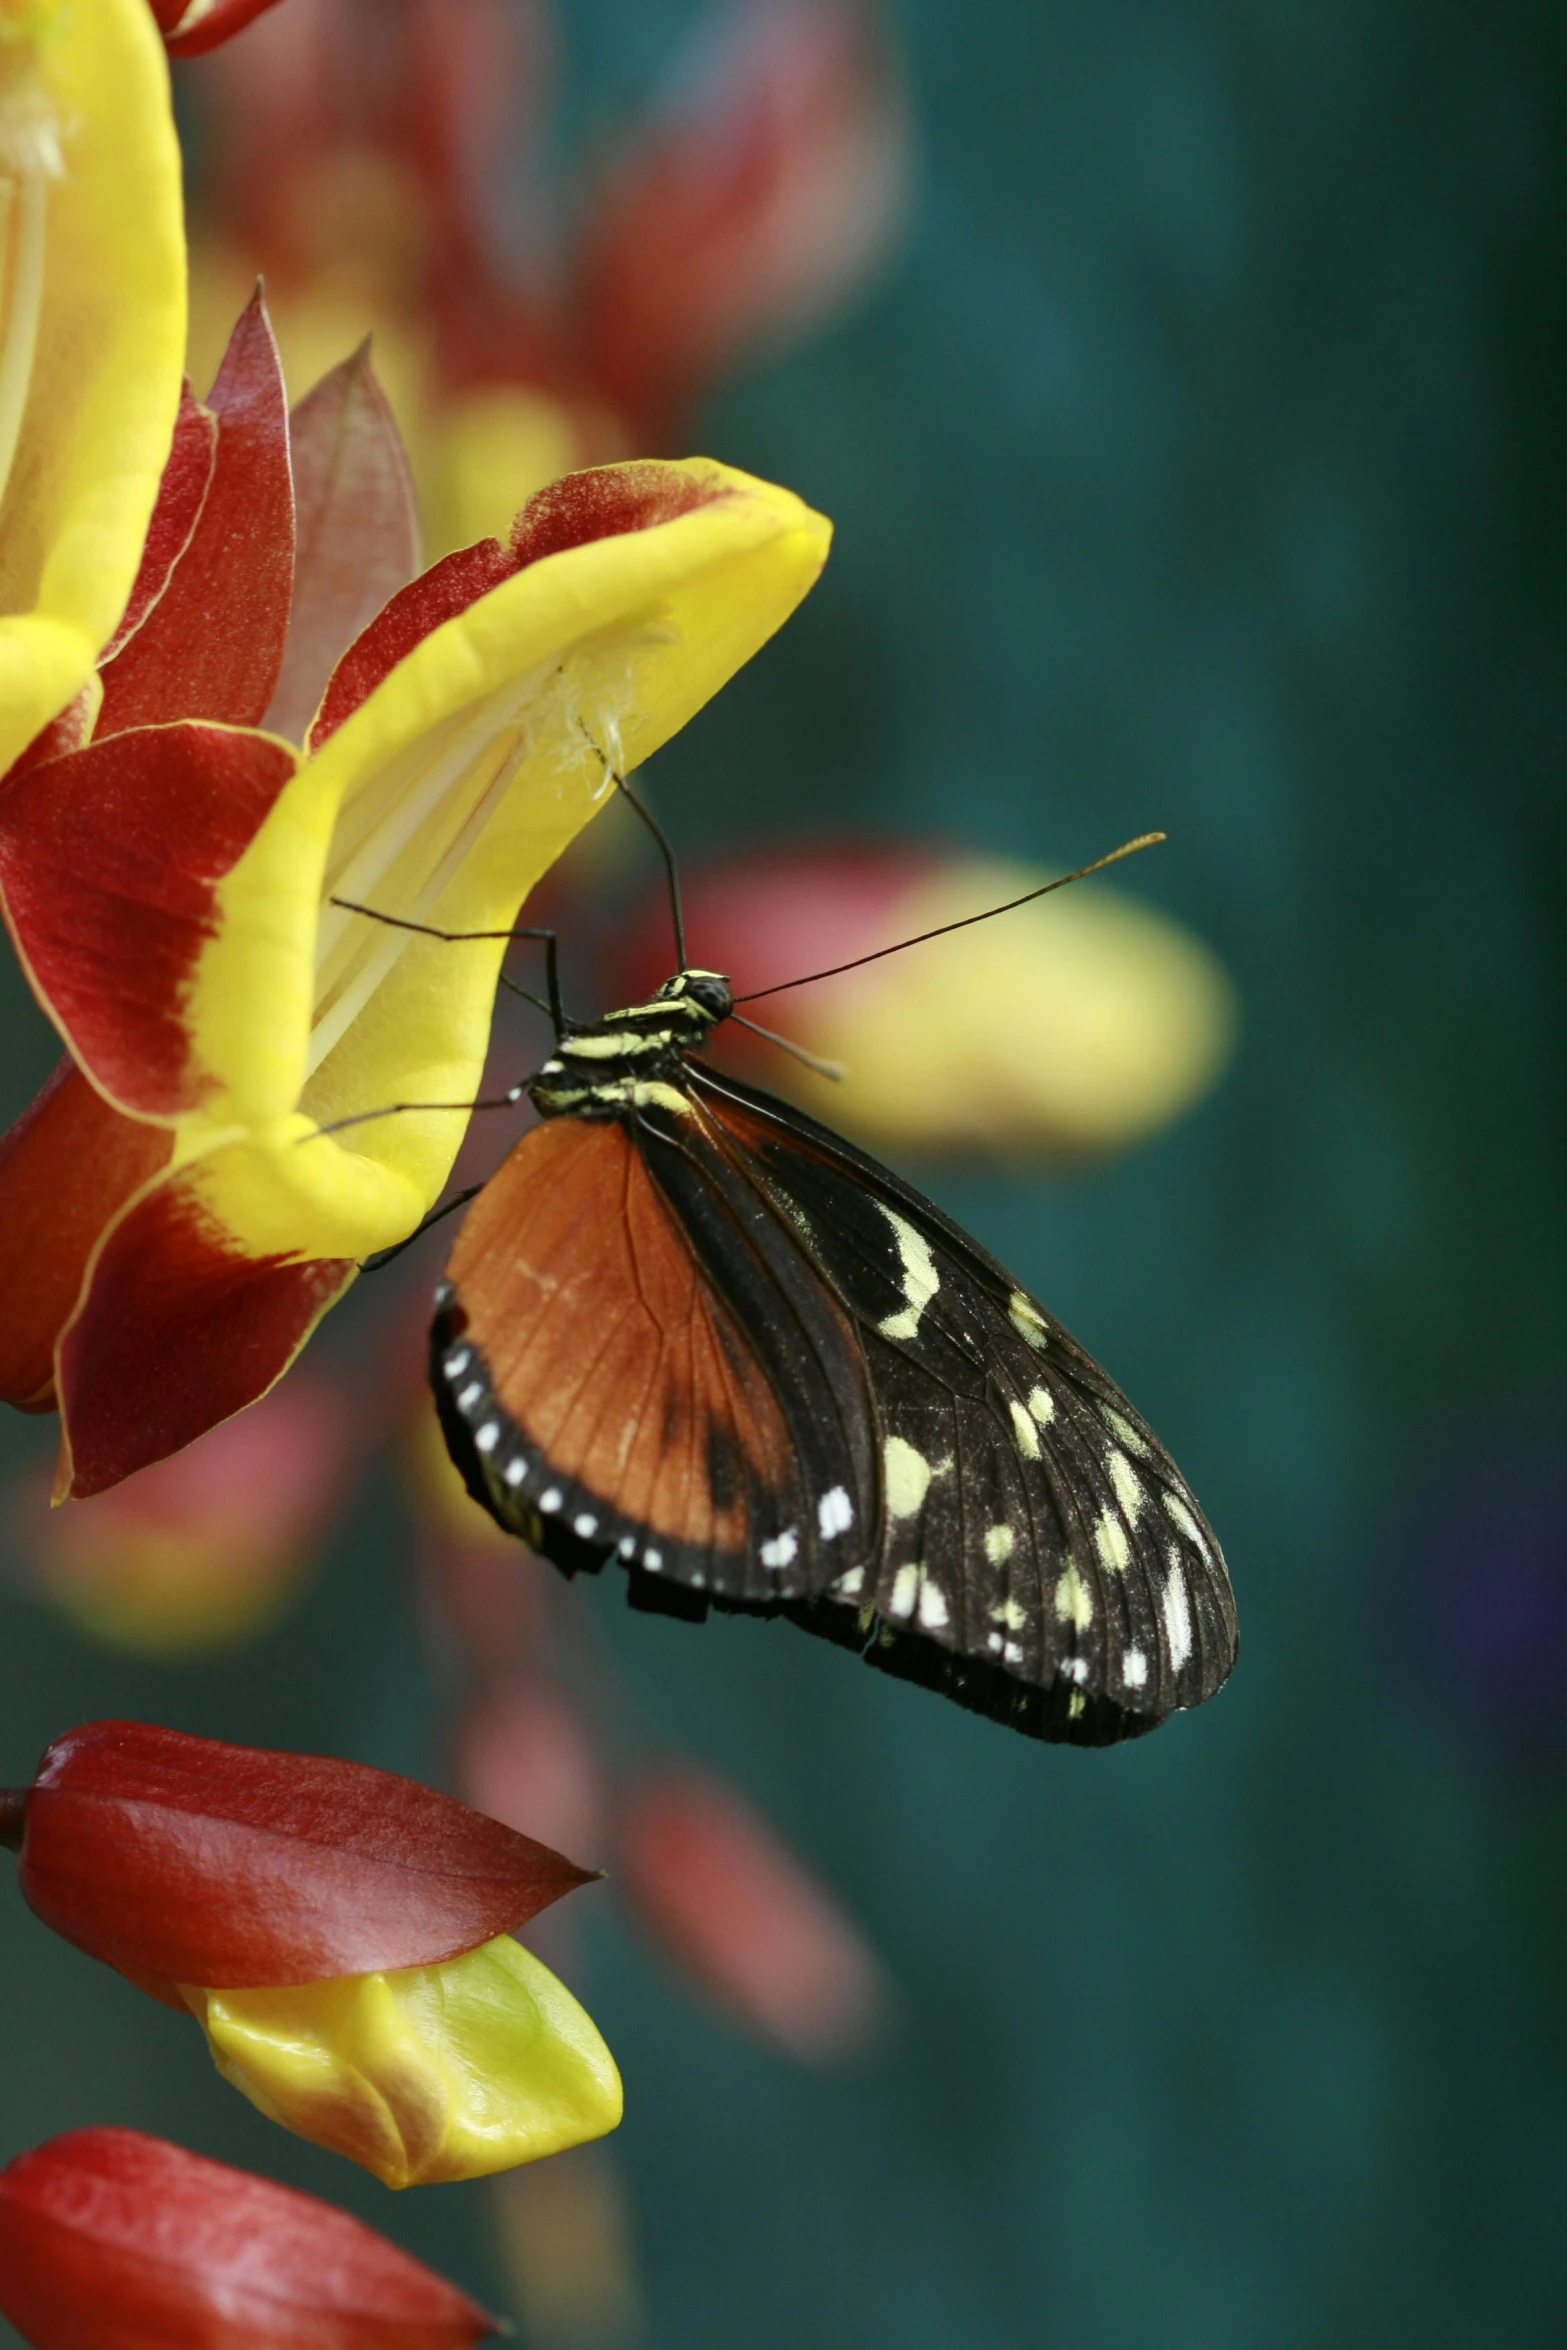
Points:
(92, 332)
(437, 2072)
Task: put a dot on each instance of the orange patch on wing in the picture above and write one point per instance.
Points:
(605, 1343)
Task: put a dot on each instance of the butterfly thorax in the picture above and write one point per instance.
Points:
(635, 1057)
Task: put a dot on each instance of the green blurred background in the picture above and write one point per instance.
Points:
(1198, 465)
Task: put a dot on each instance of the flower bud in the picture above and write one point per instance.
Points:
(423, 2073)
(111, 2238)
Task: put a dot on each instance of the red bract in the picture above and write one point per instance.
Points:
(110, 2240)
(760, 1935)
(191, 27)
(185, 1860)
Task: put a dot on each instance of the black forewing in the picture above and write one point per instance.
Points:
(1040, 1557)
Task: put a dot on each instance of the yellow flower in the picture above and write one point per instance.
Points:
(432, 2072)
(92, 334)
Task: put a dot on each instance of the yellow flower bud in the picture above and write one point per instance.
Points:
(425, 2073)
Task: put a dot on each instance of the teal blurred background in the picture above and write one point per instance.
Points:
(1199, 465)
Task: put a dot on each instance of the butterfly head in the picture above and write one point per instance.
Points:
(709, 991)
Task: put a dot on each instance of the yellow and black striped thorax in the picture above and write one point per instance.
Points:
(635, 1056)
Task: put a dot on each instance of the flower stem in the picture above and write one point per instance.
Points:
(13, 1814)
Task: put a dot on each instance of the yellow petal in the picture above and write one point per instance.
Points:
(92, 331)
(438, 2072)
(1081, 1024)
(443, 799)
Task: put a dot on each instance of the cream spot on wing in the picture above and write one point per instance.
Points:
(1074, 1600)
(1111, 1543)
(1179, 1515)
(919, 1276)
(905, 1590)
(834, 1513)
(849, 1586)
(908, 1476)
(1042, 1404)
(1024, 1430)
(1000, 1542)
(1076, 1706)
(1176, 1609)
(782, 1549)
(1129, 1489)
(1027, 1320)
(1119, 1425)
(933, 1607)
(1011, 1613)
(1134, 1668)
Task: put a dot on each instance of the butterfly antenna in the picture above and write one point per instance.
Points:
(1128, 848)
(659, 834)
(668, 855)
(832, 1069)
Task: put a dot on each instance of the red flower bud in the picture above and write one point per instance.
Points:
(117, 2240)
(186, 1860)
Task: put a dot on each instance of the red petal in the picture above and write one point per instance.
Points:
(63, 734)
(742, 1914)
(748, 211)
(604, 503)
(66, 1166)
(182, 493)
(109, 865)
(212, 645)
(110, 2240)
(231, 1866)
(177, 1332)
(357, 530)
(221, 22)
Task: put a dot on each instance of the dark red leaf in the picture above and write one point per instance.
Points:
(741, 1913)
(604, 502)
(110, 2240)
(232, 1866)
(220, 22)
(747, 210)
(212, 644)
(187, 476)
(66, 1166)
(357, 530)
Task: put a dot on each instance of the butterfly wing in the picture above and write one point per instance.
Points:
(1040, 1557)
(633, 1357)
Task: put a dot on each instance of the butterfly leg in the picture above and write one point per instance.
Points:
(463, 937)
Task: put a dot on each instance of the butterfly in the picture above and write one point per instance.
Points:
(688, 1328)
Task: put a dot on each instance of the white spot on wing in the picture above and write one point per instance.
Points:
(457, 1363)
(585, 1524)
(780, 1552)
(907, 1478)
(919, 1276)
(488, 1437)
(516, 1471)
(905, 1590)
(1075, 1668)
(933, 1607)
(653, 1560)
(470, 1395)
(849, 1586)
(1177, 1611)
(550, 1500)
(1134, 1668)
(1012, 1653)
(834, 1513)
(1000, 1542)
(626, 1545)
